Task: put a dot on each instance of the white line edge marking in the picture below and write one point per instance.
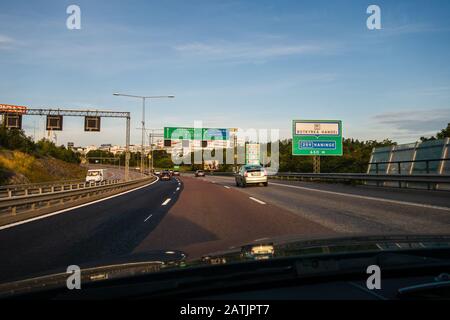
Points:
(420, 205)
(256, 200)
(73, 208)
(148, 217)
(166, 202)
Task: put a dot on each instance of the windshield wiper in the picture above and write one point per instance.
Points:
(430, 290)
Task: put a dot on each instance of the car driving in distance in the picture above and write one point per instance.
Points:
(199, 173)
(251, 174)
(165, 175)
(176, 173)
(95, 175)
(157, 172)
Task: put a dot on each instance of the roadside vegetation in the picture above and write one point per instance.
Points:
(24, 161)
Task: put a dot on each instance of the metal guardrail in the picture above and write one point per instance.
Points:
(430, 181)
(66, 192)
(11, 191)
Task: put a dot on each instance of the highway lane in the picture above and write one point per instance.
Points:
(104, 230)
(114, 172)
(210, 217)
(204, 215)
(356, 209)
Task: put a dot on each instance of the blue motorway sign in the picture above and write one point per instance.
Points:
(325, 145)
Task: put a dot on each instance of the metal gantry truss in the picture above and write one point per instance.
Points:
(77, 113)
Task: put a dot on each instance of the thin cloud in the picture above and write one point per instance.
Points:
(413, 122)
(406, 29)
(230, 51)
(6, 42)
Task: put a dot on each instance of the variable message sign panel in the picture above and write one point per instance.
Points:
(8, 108)
(54, 123)
(317, 138)
(206, 134)
(92, 124)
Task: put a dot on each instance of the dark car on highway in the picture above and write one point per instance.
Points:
(165, 175)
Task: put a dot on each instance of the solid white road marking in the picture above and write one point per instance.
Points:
(413, 204)
(73, 208)
(166, 202)
(148, 217)
(226, 187)
(256, 200)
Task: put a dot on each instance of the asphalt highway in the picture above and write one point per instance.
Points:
(103, 230)
(204, 215)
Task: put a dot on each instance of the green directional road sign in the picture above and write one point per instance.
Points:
(317, 138)
(174, 133)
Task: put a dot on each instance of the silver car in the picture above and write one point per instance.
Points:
(199, 173)
(251, 174)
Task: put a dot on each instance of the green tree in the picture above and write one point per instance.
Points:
(444, 133)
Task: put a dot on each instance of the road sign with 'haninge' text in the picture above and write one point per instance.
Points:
(317, 138)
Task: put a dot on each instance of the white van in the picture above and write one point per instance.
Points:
(95, 175)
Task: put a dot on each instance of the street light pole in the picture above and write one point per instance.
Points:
(143, 136)
(143, 119)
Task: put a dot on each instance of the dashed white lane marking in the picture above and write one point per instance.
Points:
(148, 217)
(405, 203)
(73, 208)
(256, 200)
(178, 189)
(227, 187)
(166, 202)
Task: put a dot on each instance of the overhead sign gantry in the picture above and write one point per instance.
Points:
(13, 119)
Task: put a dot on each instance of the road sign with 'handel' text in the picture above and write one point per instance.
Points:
(317, 138)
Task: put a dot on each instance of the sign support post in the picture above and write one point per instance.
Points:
(316, 164)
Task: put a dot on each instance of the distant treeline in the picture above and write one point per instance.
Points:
(356, 156)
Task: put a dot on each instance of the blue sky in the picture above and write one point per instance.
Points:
(248, 64)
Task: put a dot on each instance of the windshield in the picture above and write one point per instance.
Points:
(218, 125)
